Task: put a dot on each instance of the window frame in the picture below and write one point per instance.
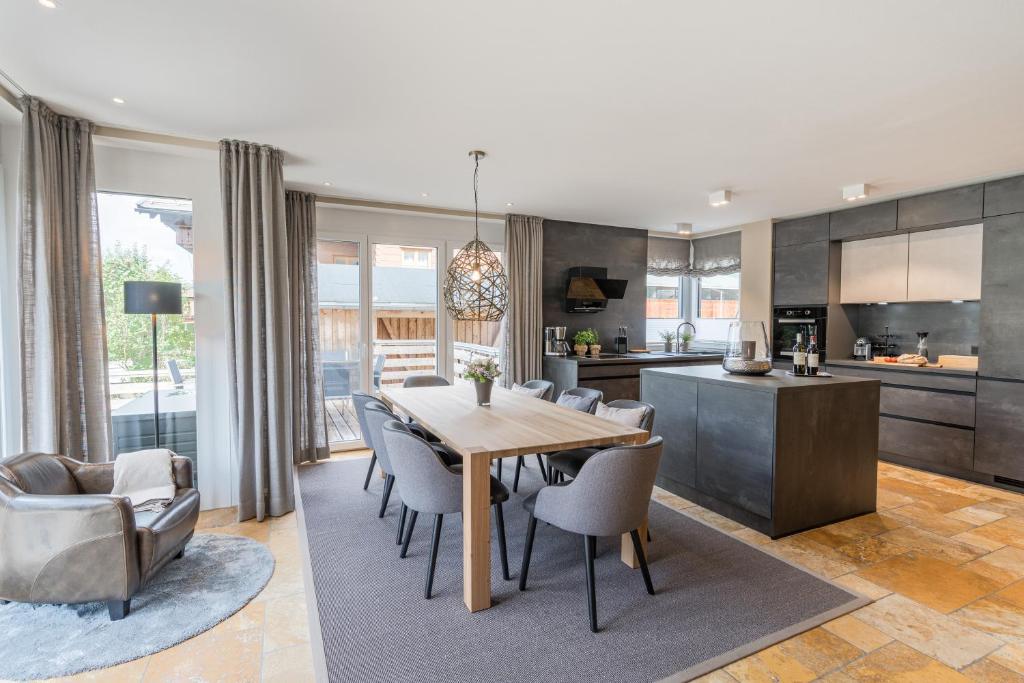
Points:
(695, 298)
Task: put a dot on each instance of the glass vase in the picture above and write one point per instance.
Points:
(747, 351)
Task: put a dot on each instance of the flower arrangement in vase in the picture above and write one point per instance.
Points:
(482, 372)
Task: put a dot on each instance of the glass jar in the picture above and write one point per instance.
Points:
(747, 351)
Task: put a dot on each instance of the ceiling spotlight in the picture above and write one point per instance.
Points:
(327, 183)
(957, 301)
(424, 194)
(720, 197)
(509, 204)
(883, 303)
(117, 100)
(852, 193)
(684, 228)
(48, 4)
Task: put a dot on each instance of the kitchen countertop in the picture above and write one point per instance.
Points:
(776, 380)
(638, 358)
(870, 365)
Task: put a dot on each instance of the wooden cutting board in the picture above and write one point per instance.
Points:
(959, 362)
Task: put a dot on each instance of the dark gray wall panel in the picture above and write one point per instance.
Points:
(623, 251)
(872, 219)
(952, 328)
(1000, 429)
(936, 406)
(801, 230)
(1004, 196)
(1002, 298)
(676, 422)
(736, 437)
(801, 274)
(935, 208)
(948, 446)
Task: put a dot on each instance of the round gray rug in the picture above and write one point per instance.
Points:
(217, 577)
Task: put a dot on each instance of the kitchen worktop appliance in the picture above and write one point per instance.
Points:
(554, 342)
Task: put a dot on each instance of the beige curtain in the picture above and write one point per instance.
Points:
(308, 410)
(524, 321)
(65, 405)
(259, 330)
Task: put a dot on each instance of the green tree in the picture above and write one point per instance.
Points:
(129, 341)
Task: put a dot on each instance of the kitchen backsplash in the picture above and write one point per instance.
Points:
(952, 328)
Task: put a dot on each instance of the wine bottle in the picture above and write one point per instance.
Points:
(799, 356)
(812, 356)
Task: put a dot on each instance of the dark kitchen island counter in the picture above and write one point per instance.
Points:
(616, 375)
(779, 454)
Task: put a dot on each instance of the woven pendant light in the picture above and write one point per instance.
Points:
(475, 285)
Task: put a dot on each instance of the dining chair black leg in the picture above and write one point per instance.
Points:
(401, 524)
(408, 533)
(589, 547)
(369, 472)
(499, 469)
(389, 482)
(435, 541)
(648, 535)
(543, 469)
(527, 551)
(520, 462)
(499, 521)
(639, 549)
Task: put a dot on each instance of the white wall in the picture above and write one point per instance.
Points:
(10, 383)
(756, 272)
(177, 172)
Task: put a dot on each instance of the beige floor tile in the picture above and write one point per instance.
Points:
(751, 536)
(804, 657)
(937, 584)
(1010, 656)
(290, 665)
(1004, 566)
(995, 615)
(860, 585)
(981, 542)
(851, 530)
(215, 518)
(942, 548)
(890, 499)
(988, 671)
(942, 501)
(1009, 530)
(923, 516)
(897, 662)
(927, 631)
(812, 556)
(287, 580)
(714, 519)
(228, 658)
(870, 550)
(129, 672)
(857, 633)
(720, 676)
(257, 531)
(976, 515)
(287, 521)
(286, 623)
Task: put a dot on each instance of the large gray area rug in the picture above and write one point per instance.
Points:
(718, 598)
(218, 575)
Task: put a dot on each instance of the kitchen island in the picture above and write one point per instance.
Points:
(778, 453)
(616, 375)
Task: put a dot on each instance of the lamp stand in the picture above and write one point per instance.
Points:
(156, 390)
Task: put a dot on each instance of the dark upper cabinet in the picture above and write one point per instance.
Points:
(1004, 196)
(801, 230)
(999, 429)
(801, 274)
(1002, 298)
(936, 208)
(873, 219)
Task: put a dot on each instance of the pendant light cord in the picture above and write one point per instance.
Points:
(476, 197)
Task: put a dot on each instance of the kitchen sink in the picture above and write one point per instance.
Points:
(681, 354)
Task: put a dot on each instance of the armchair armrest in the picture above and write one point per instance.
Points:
(66, 549)
(99, 477)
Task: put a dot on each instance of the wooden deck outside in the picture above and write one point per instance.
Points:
(341, 421)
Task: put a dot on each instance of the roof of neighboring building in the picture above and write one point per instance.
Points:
(408, 287)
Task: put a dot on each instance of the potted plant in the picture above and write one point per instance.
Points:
(595, 345)
(482, 372)
(582, 339)
(668, 337)
(685, 340)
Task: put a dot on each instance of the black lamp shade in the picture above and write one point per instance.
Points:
(152, 297)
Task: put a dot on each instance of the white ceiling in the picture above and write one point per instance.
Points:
(591, 110)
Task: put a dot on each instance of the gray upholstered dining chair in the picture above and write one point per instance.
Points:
(429, 486)
(583, 399)
(549, 392)
(413, 381)
(569, 462)
(359, 401)
(610, 496)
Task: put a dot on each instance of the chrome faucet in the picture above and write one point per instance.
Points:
(679, 346)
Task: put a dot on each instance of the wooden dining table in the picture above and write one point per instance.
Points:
(513, 424)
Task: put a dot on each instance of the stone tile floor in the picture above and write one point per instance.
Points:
(943, 558)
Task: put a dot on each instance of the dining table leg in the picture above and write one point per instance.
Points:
(476, 531)
(628, 553)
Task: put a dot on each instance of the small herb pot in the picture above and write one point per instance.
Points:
(483, 393)
(668, 347)
(580, 349)
(595, 349)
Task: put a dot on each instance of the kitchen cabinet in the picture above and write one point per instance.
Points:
(802, 230)
(926, 443)
(945, 264)
(875, 270)
(1004, 196)
(999, 429)
(872, 219)
(936, 208)
(1002, 303)
(801, 274)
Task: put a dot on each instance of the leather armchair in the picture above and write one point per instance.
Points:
(65, 539)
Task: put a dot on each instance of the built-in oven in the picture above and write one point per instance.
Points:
(788, 321)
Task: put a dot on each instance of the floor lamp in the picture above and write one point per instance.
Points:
(154, 298)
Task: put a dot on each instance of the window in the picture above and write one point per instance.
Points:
(416, 258)
(718, 297)
(663, 296)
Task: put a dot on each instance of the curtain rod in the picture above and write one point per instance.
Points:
(6, 94)
(398, 206)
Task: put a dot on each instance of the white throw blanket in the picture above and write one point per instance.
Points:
(145, 477)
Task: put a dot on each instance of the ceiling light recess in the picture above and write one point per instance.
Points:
(118, 100)
(48, 4)
(852, 193)
(720, 197)
(684, 228)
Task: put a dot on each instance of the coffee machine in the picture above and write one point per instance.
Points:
(554, 342)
